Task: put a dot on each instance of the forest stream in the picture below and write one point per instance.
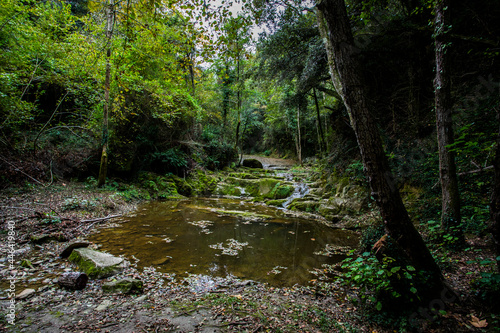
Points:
(228, 236)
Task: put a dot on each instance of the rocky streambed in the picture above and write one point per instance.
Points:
(154, 298)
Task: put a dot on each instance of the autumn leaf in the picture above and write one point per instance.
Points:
(478, 323)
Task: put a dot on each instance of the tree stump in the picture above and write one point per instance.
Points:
(73, 280)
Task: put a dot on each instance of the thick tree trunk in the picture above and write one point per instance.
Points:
(450, 213)
(495, 199)
(397, 222)
(110, 14)
(323, 30)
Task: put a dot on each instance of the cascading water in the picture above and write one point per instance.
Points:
(300, 191)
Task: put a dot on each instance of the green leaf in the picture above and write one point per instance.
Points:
(413, 290)
(379, 306)
(395, 269)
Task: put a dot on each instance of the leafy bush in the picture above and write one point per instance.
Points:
(488, 289)
(370, 236)
(171, 160)
(381, 284)
(219, 154)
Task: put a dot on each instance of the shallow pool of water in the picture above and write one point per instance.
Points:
(220, 237)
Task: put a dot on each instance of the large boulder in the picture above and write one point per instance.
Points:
(252, 163)
(97, 265)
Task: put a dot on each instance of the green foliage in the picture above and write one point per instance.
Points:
(439, 238)
(488, 289)
(159, 187)
(370, 236)
(382, 285)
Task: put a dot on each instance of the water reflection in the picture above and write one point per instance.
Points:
(218, 237)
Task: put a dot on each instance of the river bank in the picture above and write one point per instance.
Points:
(71, 211)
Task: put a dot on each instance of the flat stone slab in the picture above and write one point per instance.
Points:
(97, 265)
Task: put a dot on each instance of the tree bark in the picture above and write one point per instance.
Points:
(73, 280)
(450, 212)
(495, 199)
(103, 170)
(323, 30)
(397, 222)
(238, 102)
(320, 127)
(298, 136)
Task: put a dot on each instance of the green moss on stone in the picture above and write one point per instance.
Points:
(124, 286)
(96, 267)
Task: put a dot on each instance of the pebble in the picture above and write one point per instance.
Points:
(25, 293)
(104, 305)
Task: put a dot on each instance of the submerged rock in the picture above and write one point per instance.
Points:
(97, 264)
(124, 286)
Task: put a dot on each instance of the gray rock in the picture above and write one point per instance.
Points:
(104, 305)
(71, 246)
(97, 264)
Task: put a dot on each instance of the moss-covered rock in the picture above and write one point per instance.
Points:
(229, 189)
(304, 206)
(278, 203)
(202, 183)
(124, 286)
(97, 264)
(281, 191)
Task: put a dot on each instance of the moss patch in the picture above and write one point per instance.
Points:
(281, 191)
(124, 286)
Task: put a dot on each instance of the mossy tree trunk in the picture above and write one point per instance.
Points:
(397, 222)
(110, 15)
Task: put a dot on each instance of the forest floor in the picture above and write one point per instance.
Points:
(196, 304)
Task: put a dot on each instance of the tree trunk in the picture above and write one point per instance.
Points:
(73, 280)
(238, 103)
(450, 212)
(397, 222)
(320, 127)
(495, 199)
(323, 30)
(298, 137)
(110, 14)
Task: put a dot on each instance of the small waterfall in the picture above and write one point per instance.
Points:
(300, 191)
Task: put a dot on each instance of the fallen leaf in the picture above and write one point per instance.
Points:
(478, 323)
